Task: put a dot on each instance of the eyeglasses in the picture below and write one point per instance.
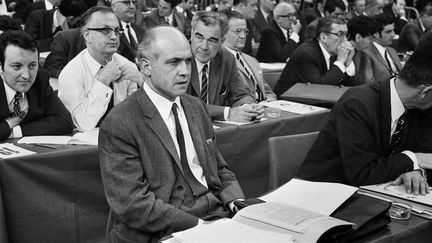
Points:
(341, 35)
(289, 16)
(211, 41)
(107, 31)
(128, 2)
(240, 30)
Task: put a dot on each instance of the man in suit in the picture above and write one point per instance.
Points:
(310, 14)
(263, 18)
(327, 59)
(358, 9)
(411, 33)
(166, 14)
(160, 166)
(280, 40)
(215, 77)
(426, 39)
(97, 78)
(248, 9)
(29, 106)
(375, 132)
(248, 66)
(381, 61)
(396, 11)
(23, 8)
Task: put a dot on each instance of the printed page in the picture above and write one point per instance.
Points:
(9, 150)
(400, 192)
(319, 197)
(294, 107)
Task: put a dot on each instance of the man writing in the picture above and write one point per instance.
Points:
(160, 165)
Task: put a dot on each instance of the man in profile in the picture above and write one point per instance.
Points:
(160, 165)
(29, 106)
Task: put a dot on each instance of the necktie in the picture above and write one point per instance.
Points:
(392, 67)
(397, 134)
(332, 59)
(16, 106)
(195, 186)
(204, 84)
(167, 21)
(110, 104)
(131, 38)
(259, 95)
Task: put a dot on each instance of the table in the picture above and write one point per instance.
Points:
(271, 72)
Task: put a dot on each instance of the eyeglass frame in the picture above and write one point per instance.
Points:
(289, 16)
(117, 31)
(210, 41)
(240, 30)
(341, 34)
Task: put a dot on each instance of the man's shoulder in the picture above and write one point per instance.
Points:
(309, 49)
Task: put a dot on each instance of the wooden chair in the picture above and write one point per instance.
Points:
(287, 154)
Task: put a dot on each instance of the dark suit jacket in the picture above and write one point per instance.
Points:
(46, 114)
(260, 24)
(375, 67)
(39, 26)
(141, 171)
(307, 64)
(398, 22)
(274, 47)
(154, 19)
(225, 87)
(65, 46)
(125, 48)
(310, 14)
(425, 40)
(310, 30)
(409, 36)
(353, 147)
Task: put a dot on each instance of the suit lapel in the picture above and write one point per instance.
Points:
(125, 42)
(255, 73)
(214, 76)
(395, 58)
(379, 56)
(194, 79)
(323, 61)
(4, 106)
(281, 36)
(32, 102)
(386, 113)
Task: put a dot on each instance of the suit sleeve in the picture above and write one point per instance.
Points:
(239, 93)
(57, 59)
(412, 36)
(33, 27)
(363, 166)
(5, 130)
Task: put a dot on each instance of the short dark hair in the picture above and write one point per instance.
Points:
(72, 7)
(232, 14)
(17, 38)
(87, 15)
(417, 70)
(362, 25)
(209, 18)
(8, 23)
(237, 2)
(173, 3)
(324, 25)
(382, 20)
(331, 5)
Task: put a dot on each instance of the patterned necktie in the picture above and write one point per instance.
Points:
(204, 84)
(259, 95)
(16, 106)
(397, 134)
(131, 38)
(392, 67)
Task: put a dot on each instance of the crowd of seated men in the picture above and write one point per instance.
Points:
(125, 67)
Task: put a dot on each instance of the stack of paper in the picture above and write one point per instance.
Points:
(294, 107)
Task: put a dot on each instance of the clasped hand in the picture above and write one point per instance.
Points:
(246, 113)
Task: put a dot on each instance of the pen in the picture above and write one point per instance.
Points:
(10, 150)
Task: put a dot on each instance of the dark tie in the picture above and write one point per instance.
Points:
(131, 38)
(397, 134)
(387, 58)
(259, 94)
(16, 106)
(110, 104)
(204, 84)
(332, 60)
(196, 188)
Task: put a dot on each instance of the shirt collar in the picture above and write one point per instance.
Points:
(381, 49)
(10, 93)
(264, 14)
(163, 105)
(325, 53)
(93, 65)
(231, 50)
(200, 65)
(124, 24)
(396, 105)
(48, 5)
(179, 9)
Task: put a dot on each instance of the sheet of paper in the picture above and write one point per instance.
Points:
(399, 191)
(9, 150)
(294, 107)
(44, 140)
(319, 197)
(276, 66)
(234, 122)
(86, 138)
(229, 231)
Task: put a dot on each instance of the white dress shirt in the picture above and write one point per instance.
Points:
(164, 107)
(350, 70)
(125, 29)
(10, 97)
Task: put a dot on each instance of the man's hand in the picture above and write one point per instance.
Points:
(424, 160)
(109, 73)
(245, 113)
(343, 51)
(130, 73)
(414, 183)
(296, 26)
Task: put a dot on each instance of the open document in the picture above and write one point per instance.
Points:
(84, 138)
(294, 107)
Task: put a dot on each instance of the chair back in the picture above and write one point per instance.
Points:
(287, 154)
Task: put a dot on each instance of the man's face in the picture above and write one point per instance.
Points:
(225, 4)
(171, 67)
(359, 6)
(268, 5)
(188, 5)
(362, 42)
(164, 8)
(124, 9)
(249, 8)
(398, 6)
(333, 40)
(375, 9)
(385, 38)
(286, 18)
(20, 68)
(206, 41)
(103, 41)
(296, 4)
(427, 22)
(236, 36)
(338, 12)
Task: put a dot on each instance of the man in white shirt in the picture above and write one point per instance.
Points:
(97, 78)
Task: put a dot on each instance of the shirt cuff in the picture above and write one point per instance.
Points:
(16, 132)
(295, 37)
(413, 158)
(340, 65)
(102, 91)
(350, 70)
(226, 113)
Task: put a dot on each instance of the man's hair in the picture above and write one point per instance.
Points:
(87, 15)
(210, 18)
(381, 20)
(146, 48)
(8, 23)
(417, 70)
(427, 11)
(331, 5)
(17, 38)
(324, 25)
(237, 2)
(173, 3)
(422, 4)
(280, 8)
(363, 25)
(231, 14)
(72, 7)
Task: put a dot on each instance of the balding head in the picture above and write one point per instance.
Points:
(282, 9)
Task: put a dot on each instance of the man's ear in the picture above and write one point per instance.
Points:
(145, 66)
(425, 90)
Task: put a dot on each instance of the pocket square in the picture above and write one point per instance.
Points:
(209, 141)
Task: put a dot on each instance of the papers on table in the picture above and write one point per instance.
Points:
(399, 191)
(294, 107)
(8, 150)
(319, 197)
(277, 66)
(85, 138)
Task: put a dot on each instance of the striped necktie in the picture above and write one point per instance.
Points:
(131, 38)
(204, 84)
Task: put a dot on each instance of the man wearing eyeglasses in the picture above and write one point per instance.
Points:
(166, 14)
(281, 39)
(327, 59)
(214, 76)
(248, 66)
(97, 78)
(248, 9)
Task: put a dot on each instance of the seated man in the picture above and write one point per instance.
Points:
(327, 59)
(166, 14)
(161, 169)
(411, 33)
(374, 133)
(282, 38)
(29, 106)
(215, 77)
(381, 61)
(248, 66)
(248, 9)
(97, 78)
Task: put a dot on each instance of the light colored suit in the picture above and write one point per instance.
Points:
(141, 171)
